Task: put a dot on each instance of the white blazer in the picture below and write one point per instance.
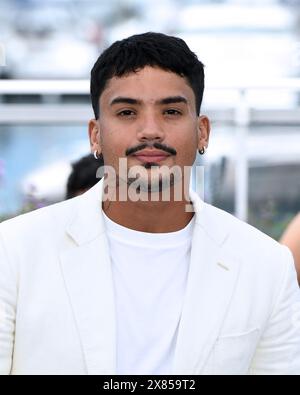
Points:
(240, 316)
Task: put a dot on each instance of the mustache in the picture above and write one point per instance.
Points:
(159, 146)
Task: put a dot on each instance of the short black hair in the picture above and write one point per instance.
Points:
(149, 49)
(83, 175)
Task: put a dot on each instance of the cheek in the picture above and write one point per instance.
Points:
(114, 145)
(186, 141)
(189, 157)
(186, 152)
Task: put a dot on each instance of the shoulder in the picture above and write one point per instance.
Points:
(266, 267)
(292, 234)
(234, 227)
(258, 251)
(42, 221)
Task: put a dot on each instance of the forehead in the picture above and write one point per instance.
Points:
(148, 84)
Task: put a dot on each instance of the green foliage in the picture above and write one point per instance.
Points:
(271, 218)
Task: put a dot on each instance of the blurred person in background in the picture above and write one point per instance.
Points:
(291, 238)
(100, 284)
(83, 175)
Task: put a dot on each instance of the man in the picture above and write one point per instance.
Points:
(126, 279)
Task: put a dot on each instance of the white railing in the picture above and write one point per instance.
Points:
(47, 87)
(241, 115)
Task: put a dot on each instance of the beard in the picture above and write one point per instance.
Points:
(153, 183)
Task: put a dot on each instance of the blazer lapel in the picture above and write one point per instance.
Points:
(86, 269)
(211, 281)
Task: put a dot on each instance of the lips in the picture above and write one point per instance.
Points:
(151, 156)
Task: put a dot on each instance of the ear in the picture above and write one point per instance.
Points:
(94, 136)
(203, 131)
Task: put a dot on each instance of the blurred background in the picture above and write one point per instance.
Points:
(251, 50)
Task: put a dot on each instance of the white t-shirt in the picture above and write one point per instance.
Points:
(149, 273)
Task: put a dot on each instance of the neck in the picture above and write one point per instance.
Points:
(150, 216)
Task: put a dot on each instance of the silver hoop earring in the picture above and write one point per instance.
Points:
(96, 155)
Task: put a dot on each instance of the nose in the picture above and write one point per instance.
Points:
(150, 129)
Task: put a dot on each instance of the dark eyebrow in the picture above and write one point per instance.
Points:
(124, 100)
(166, 100)
(173, 100)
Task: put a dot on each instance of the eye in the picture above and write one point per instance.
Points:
(172, 111)
(126, 113)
